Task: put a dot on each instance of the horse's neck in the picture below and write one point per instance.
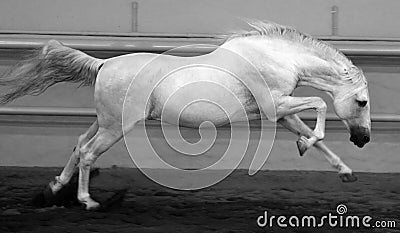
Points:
(304, 66)
(316, 82)
(324, 78)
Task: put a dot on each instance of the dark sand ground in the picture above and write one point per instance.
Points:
(230, 206)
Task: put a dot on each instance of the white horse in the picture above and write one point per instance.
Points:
(283, 56)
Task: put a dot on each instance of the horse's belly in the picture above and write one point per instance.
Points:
(192, 101)
(197, 113)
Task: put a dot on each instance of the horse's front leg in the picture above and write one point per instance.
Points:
(297, 126)
(288, 105)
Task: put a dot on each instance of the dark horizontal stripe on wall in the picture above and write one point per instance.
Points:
(163, 42)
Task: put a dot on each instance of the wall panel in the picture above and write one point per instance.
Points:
(356, 18)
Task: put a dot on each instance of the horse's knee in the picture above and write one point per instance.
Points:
(320, 135)
(321, 105)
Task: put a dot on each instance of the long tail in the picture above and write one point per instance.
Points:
(53, 63)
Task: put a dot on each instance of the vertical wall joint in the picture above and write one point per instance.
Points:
(135, 16)
(335, 20)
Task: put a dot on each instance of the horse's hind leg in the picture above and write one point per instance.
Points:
(89, 152)
(297, 126)
(69, 168)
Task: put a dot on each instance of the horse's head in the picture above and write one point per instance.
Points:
(352, 105)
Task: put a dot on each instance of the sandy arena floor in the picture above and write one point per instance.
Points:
(230, 206)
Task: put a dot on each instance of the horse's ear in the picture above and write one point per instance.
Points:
(354, 69)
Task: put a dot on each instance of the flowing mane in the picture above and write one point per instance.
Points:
(320, 48)
(274, 30)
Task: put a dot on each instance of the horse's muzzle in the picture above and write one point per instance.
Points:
(359, 136)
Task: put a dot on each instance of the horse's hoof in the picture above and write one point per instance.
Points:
(49, 196)
(89, 204)
(302, 145)
(44, 199)
(348, 177)
(91, 207)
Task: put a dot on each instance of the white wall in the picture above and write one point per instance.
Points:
(367, 18)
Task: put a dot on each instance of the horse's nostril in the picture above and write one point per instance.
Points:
(366, 139)
(362, 103)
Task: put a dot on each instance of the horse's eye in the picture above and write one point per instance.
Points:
(362, 103)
